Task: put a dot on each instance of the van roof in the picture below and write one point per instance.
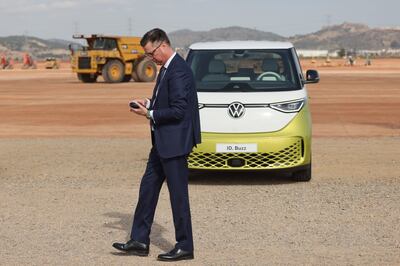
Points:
(225, 45)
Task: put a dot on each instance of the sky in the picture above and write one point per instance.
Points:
(62, 18)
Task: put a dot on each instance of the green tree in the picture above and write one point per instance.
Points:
(342, 52)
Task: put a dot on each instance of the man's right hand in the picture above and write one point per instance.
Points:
(142, 107)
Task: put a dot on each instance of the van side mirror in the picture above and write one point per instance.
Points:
(312, 76)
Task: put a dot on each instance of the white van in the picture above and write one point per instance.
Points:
(254, 107)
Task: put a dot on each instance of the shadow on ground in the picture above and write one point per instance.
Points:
(122, 221)
(239, 178)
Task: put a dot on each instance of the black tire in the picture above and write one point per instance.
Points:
(134, 73)
(87, 78)
(135, 76)
(113, 71)
(146, 70)
(302, 175)
(127, 78)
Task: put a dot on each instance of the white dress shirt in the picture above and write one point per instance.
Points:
(165, 71)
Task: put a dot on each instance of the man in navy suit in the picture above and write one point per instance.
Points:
(175, 130)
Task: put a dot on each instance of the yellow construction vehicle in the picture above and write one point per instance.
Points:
(52, 63)
(116, 58)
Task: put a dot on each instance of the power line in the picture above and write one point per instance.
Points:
(76, 27)
(129, 26)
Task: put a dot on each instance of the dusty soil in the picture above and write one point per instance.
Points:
(349, 101)
(71, 159)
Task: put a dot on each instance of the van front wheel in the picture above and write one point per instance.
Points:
(302, 175)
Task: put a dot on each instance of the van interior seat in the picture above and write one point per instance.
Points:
(216, 71)
(270, 65)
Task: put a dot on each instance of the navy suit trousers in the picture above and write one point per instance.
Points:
(175, 171)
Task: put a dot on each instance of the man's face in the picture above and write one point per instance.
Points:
(154, 52)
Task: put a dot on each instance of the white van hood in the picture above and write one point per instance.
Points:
(256, 118)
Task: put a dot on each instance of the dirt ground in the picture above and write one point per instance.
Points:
(348, 102)
(71, 159)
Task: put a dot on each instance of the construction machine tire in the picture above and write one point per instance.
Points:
(135, 76)
(146, 70)
(134, 73)
(87, 78)
(113, 71)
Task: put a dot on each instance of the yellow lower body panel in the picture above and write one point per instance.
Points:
(286, 148)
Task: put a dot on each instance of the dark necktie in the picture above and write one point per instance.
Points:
(159, 79)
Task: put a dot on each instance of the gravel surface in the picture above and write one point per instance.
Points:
(65, 201)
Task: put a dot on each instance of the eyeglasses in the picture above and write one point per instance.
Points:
(152, 53)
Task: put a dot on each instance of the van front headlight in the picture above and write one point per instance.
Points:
(288, 107)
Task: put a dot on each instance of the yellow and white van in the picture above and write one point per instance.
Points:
(254, 107)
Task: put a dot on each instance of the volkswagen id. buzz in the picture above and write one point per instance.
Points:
(254, 107)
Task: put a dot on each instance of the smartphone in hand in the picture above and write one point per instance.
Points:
(133, 105)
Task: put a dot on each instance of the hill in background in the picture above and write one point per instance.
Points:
(18, 45)
(349, 36)
(183, 38)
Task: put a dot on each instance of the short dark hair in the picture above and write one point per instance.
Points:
(154, 35)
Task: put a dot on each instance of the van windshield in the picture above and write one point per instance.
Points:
(243, 70)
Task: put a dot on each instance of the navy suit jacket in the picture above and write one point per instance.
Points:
(175, 111)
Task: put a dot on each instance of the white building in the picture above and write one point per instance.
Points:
(316, 53)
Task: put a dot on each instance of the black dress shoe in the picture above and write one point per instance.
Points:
(175, 255)
(133, 247)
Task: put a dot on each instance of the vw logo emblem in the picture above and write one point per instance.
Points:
(236, 110)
